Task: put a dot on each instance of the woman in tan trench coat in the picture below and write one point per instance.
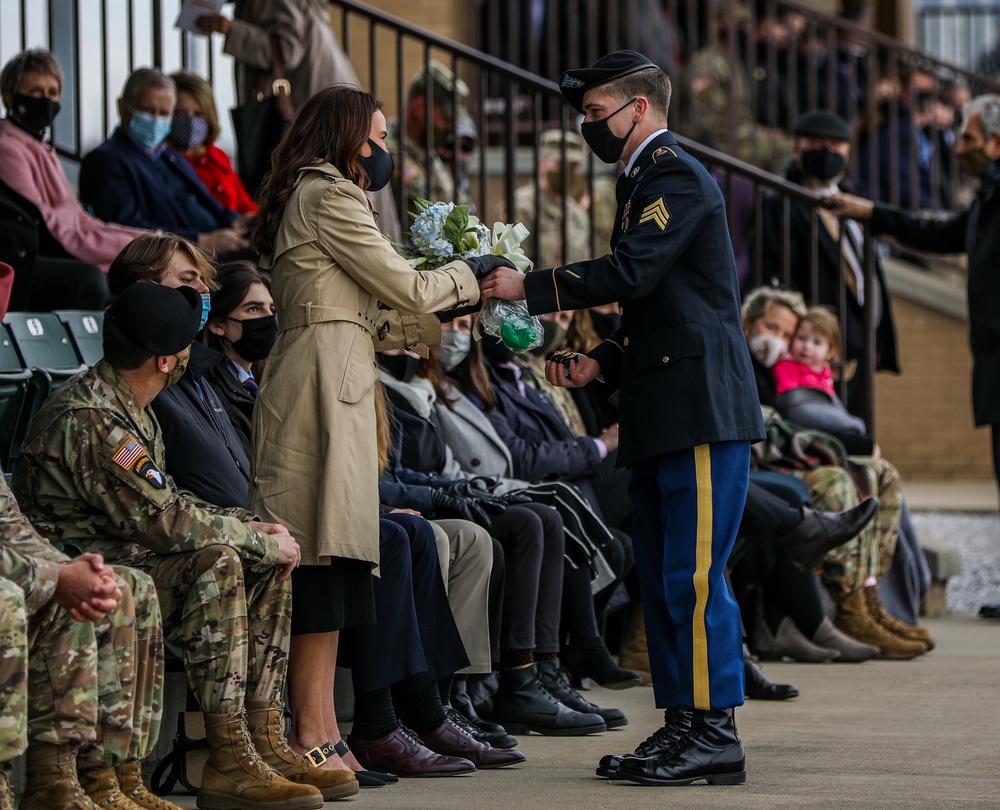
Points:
(316, 458)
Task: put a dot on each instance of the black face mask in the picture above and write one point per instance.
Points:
(378, 166)
(822, 163)
(400, 366)
(496, 351)
(34, 114)
(602, 141)
(259, 335)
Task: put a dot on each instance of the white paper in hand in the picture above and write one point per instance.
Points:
(192, 10)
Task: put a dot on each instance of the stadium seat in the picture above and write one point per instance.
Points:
(15, 380)
(85, 328)
(45, 345)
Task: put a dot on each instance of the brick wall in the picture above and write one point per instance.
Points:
(924, 415)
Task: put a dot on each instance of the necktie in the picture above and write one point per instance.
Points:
(250, 384)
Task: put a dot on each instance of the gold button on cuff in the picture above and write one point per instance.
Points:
(625, 341)
(621, 310)
(666, 359)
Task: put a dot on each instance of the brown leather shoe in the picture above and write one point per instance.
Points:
(452, 740)
(401, 753)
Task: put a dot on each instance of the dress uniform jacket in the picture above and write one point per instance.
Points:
(976, 231)
(315, 465)
(679, 324)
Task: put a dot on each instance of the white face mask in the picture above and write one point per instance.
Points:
(768, 348)
(455, 347)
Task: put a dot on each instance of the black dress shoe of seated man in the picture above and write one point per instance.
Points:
(710, 751)
(990, 611)
(821, 532)
(759, 687)
(677, 722)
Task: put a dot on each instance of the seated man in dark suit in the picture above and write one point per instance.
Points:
(134, 178)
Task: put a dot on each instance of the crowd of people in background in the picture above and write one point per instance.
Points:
(271, 424)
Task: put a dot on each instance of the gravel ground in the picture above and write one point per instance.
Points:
(977, 538)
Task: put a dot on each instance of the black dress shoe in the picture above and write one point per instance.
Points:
(677, 722)
(461, 701)
(589, 658)
(821, 532)
(710, 751)
(490, 738)
(759, 687)
(551, 676)
(990, 611)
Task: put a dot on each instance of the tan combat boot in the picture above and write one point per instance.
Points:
(236, 778)
(265, 721)
(894, 625)
(854, 619)
(6, 794)
(101, 785)
(51, 779)
(634, 652)
(129, 775)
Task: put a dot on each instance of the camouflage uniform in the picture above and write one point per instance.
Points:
(99, 685)
(717, 113)
(870, 553)
(13, 672)
(91, 470)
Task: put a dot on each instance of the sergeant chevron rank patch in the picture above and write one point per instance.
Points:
(657, 212)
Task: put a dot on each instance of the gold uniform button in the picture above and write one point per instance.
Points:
(626, 341)
(666, 359)
(621, 310)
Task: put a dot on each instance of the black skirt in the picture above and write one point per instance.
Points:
(331, 597)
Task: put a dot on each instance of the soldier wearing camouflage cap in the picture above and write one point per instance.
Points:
(440, 100)
(91, 470)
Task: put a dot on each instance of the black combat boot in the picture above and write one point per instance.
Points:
(710, 750)
(522, 704)
(551, 676)
(677, 723)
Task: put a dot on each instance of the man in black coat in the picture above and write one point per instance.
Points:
(821, 151)
(976, 231)
(688, 408)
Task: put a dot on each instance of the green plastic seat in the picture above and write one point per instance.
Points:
(85, 328)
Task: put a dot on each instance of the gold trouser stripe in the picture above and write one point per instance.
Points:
(703, 562)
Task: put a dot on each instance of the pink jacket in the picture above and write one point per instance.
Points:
(789, 374)
(33, 170)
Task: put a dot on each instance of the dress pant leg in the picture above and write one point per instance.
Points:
(519, 532)
(469, 550)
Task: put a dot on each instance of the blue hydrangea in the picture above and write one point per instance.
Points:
(427, 231)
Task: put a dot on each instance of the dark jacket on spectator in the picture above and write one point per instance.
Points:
(203, 450)
(542, 446)
(404, 488)
(236, 401)
(120, 183)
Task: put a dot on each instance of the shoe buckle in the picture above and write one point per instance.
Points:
(321, 753)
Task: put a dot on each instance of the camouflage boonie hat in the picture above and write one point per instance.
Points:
(444, 86)
(550, 146)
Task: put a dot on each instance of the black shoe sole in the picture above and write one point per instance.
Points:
(735, 778)
(525, 728)
(619, 685)
(616, 723)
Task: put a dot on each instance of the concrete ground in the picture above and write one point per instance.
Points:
(906, 734)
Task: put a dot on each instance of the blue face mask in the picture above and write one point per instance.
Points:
(206, 305)
(149, 130)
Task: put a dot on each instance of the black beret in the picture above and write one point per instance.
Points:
(162, 320)
(575, 83)
(822, 124)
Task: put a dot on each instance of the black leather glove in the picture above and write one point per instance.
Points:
(447, 505)
(515, 498)
(471, 490)
(487, 482)
(482, 266)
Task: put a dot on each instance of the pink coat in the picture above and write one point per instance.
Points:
(33, 170)
(789, 374)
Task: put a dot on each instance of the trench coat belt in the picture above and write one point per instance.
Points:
(309, 313)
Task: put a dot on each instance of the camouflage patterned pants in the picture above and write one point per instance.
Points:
(870, 553)
(129, 675)
(232, 624)
(13, 671)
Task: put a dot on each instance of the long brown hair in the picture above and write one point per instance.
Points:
(333, 126)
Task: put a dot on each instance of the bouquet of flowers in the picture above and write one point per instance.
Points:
(442, 232)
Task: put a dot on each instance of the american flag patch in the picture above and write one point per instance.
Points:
(126, 455)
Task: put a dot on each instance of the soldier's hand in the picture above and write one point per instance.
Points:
(505, 282)
(86, 588)
(289, 553)
(571, 372)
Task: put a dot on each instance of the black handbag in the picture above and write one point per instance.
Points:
(186, 760)
(259, 124)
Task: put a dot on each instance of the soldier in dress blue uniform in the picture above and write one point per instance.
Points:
(688, 408)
